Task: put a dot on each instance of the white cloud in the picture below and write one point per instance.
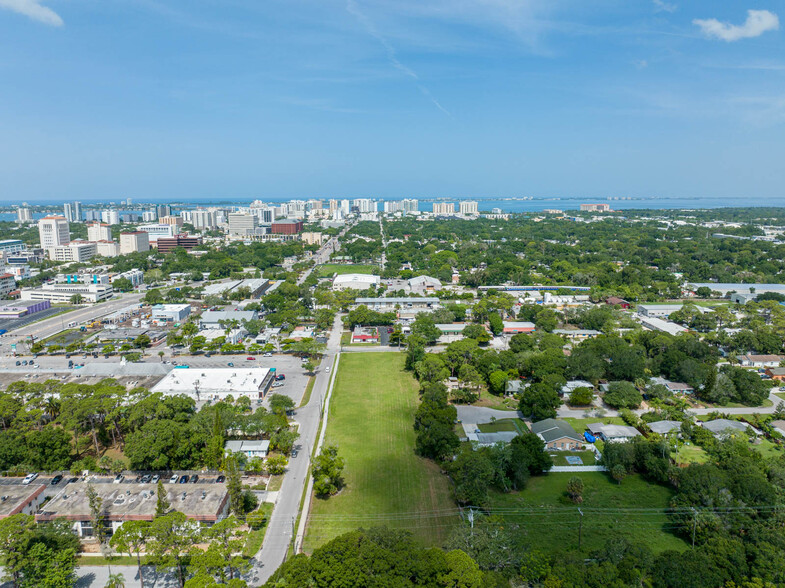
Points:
(34, 10)
(662, 6)
(757, 23)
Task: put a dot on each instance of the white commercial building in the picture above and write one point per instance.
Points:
(74, 251)
(135, 276)
(107, 248)
(12, 246)
(355, 281)
(99, 232)
(170, 313)
(53, 231)
(216, 319)
(242, 224)
(64, 292)
(155, 231)
(134, 241)
(658, 310)
(216, 383)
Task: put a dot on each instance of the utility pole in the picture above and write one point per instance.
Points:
(694, 524)
(580, 528)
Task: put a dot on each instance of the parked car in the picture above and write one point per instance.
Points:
(154, 479)
(29, 478)
(250, 358)
(230, 364)
(146, 479)
(294, 453)
(118, 479)
(18, 362)
(268, 354)
(174, 478)
(220, 479)
(184, 479)
(194, 479)
(280, 377)
(56, 479)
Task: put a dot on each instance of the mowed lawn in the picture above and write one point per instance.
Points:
(551, 520)
(371, 421)
(328, 269)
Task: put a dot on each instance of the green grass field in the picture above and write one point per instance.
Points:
(516, 425)
(691, 454)
(551, 520)
(580, 424)
(371, 421)
(328, 269)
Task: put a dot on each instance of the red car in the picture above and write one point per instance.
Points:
(249, 358)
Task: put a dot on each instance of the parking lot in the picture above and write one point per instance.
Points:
(150, 371)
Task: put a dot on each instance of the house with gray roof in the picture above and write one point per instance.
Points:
(665, 427)
(728, 428)
(613, 433)
(253, 448)
(557, 434)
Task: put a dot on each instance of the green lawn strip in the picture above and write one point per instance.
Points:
(329, 269)
(691, 454)
(275, 483)
(308, 389)
(255, 538)
(560, 457)
(498, 402)
(780, 395)
(552, 520)
(767, 448)
(371, 417)
(580, 424)
(515, 425)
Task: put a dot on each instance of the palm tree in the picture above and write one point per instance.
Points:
(52, 408)
(115, 581)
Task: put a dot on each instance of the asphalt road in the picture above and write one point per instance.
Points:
(48, 327)
(281, 527)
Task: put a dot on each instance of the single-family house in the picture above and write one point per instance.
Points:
(616, 301)
(665, 427)
(478, 439)
(728, 428)
(514, 386)
(613, 433)
(776, 373)
(253, 448)
(760, 361)
(557, 434)
(515, 327)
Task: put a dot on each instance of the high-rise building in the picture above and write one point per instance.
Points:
(149, 216)
(53, 231)
(23, 215)
(199, 218)
(410, 205)
(92, 215)
(74, 251)
(392, 206)
(444, 208)
(159, 230)
(346, 206)
(134, 241)
(68, 211)
(77, 207)
(171, 220)
(99, 232)
(110, 216)
(163, 210)
(468, 207)
(364, 205)
(242, 224)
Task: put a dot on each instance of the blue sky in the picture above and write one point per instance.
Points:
(391, 98)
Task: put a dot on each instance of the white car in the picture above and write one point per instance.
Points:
(327, 369)
(173, 479)
(267, 355)
(29, 478)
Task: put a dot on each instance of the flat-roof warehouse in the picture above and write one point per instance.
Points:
(217, 383)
